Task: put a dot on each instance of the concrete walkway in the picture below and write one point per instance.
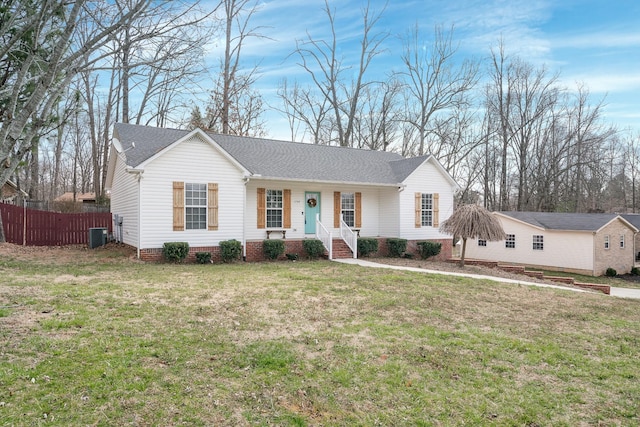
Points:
(616, 292)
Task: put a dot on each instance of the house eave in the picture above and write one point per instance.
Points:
(322, 181)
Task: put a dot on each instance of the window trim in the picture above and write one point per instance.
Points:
(348, 197)
(426, 212)
(196, 221)
(280, 209)
(510, 241)
(537, 241)
(607, 242)
(482, 243)
(622, 243)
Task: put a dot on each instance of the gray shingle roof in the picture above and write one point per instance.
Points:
(633, 219)
(564, 221)
(279, 159)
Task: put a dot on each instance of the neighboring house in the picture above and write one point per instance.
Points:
(68, 197)
(170, 185)
(635, 220)
(10, 193)
(572, 242)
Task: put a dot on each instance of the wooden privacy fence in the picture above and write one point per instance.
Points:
(41, 228)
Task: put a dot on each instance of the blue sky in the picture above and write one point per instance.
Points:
(595, 42)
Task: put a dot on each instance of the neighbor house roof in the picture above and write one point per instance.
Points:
(565, 221)
(268, 158)
(80, 197)
(633, 219)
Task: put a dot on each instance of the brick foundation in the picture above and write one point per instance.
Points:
(256, 254)
(155, 254)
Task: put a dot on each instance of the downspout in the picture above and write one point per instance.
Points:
(244, 218)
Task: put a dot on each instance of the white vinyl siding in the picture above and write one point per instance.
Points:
(192, 161)
(124, 202)
(426, 179)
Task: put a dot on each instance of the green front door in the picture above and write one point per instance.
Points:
(311, 209)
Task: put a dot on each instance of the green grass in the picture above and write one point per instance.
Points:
(112, 342)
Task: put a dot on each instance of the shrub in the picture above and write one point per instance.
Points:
(175, 251)
(428, 249)
(230, 250)
(367, 246)
(292, 257)
(273, 248)
(203, 257)
(313, 247)
(611, 272)
(635, 271)
(396, 247)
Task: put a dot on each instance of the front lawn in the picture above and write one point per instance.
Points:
(117, 342)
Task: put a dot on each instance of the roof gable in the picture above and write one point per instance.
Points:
(274, 159)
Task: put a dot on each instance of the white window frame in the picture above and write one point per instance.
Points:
(607, 242)
(348, 208)
(482, 243)
(537, 242)
(426, 209)
(622, 241)
(274, 212)
(510, 241)
(195, 206)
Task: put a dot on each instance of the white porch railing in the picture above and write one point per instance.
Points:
(349, 236)
(324, 236)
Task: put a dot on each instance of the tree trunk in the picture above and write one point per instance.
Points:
(464, 249)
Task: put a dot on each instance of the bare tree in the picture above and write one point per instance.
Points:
(39, 58)
(435, 84)
(319, 58)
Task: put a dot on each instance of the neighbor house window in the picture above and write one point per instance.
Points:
(195, 203)
(622, 241)
(538, 242)
(274, 208)
(482, 242)
(510, 241)
(348, 208)
(607, 243)
(427, 210)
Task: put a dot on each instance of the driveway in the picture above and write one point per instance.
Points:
(615, 292)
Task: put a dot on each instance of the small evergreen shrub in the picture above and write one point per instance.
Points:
(230, 250)
(397, 247)
(313, 247)
(611, 272)
(273, 248)
(175, 251)
(635, 271)
(203, 257)
(428, 249)
(367, 246)
(292, 257)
